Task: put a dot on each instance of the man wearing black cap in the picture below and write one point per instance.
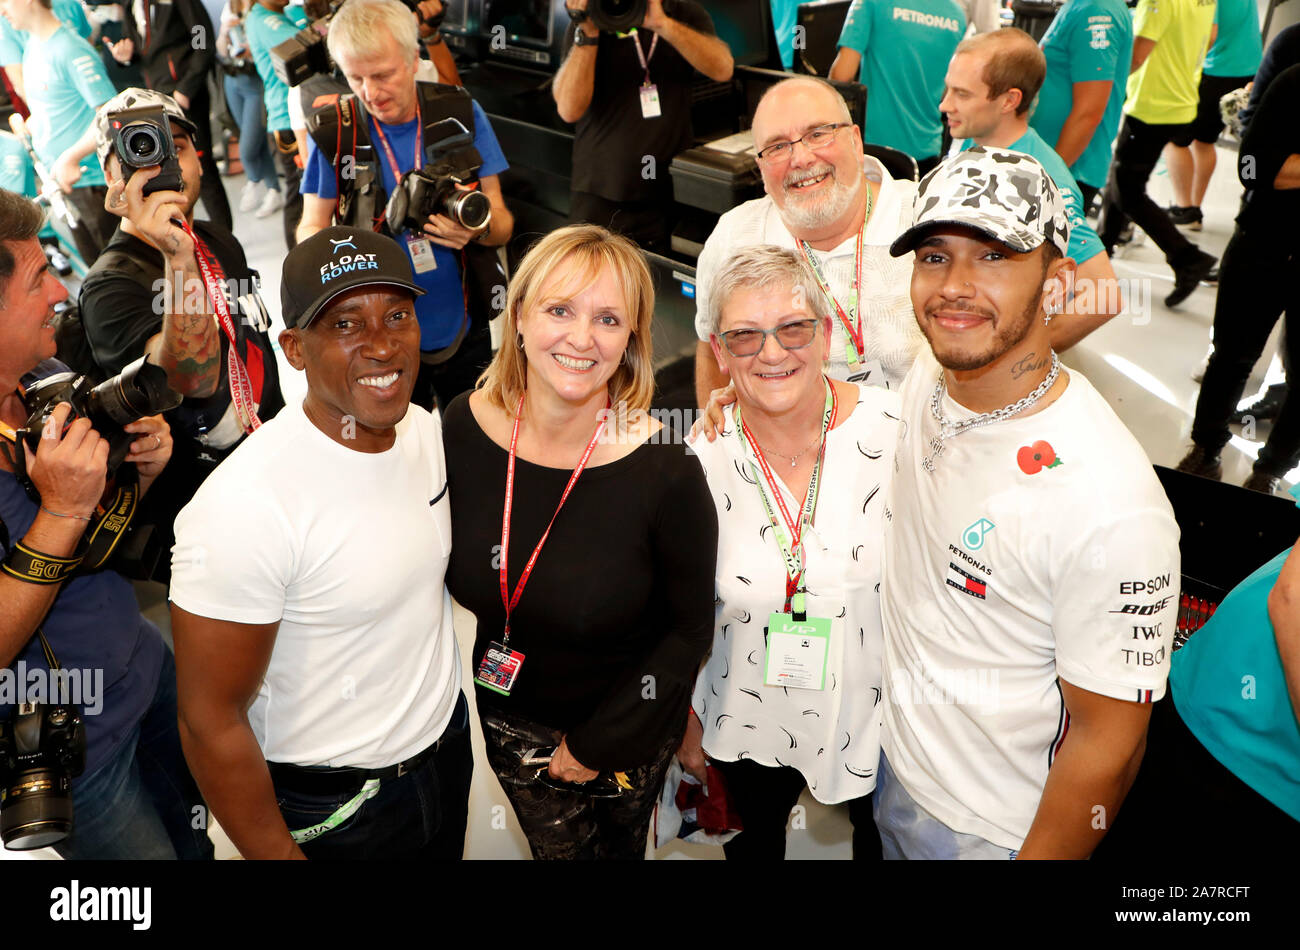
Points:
(316, 661)
(1031, 563)
(153, 290)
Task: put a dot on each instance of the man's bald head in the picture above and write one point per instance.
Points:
(1012, 60)
(781, 96)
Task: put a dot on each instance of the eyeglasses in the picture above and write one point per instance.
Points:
(815, 139)
(794, 335)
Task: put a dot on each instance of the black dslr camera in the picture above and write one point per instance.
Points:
(432, 189)
(139, 390)
(615, 16)
(143, 138)
(42, 749)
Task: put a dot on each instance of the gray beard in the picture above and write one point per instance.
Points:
(813, 217)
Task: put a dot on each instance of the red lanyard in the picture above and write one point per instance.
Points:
(793, 554)
(854, 333)
(510, 601)
(388, 150)
(245, 382)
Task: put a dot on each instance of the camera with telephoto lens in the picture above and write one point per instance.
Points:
(139, 390)
(432, 189)
(143, 138)
(304, 54)
(42, 749)
(617, 16)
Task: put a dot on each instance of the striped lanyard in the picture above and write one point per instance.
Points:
(789, 538)
(509, 601)
(245, 381)
(852, 327)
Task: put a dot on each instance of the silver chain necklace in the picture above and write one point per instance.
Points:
(794, 459)
(950, 430)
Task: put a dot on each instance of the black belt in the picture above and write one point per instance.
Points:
(322, 780)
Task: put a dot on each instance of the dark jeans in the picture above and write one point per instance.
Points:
(418, 816)
(448, 380)
(95, 226)
(1137, 150)
(645, 222)
(570, 826)
(764, 796)
(211, 189)
(1256, 286)
(284, 146)
(142, 803)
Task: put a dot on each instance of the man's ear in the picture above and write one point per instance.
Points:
(1058, 285)
(291, 344)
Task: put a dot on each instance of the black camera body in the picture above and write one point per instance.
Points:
(616, 16)
(142, 138)
(139, 390)
(42, 749)
(432, 189)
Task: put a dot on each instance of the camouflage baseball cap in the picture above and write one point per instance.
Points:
(134, 98)
(1006, 195)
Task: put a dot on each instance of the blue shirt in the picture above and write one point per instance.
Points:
(441, 311)
(1230, 689)
(905, 47)
(12, 42)
(1089, 41)
(95, 628)
(66, 83)
(265, 31)
(1238, 47)
(1084, 243)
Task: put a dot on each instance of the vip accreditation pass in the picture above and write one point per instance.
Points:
(797, 651)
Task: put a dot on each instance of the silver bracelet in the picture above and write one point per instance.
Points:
(57, 515)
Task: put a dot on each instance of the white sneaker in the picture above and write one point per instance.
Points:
(251, 196)
(1198, 374)
(272, 203)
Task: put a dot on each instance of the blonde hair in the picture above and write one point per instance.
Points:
(360, 26)
(582, 250)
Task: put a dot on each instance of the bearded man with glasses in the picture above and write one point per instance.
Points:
(839, 210)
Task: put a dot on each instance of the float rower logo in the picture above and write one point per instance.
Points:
(346, 263)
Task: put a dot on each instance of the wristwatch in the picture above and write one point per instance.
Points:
(582, 39)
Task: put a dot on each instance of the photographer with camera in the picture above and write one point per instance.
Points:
(422, 168)
(180, 291)
(108, 722)
(630, 96)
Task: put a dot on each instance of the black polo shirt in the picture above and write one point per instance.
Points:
(612, 138)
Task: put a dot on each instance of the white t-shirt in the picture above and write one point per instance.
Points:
(831, 735)
(891, 337)
(347, 550)
(1003, 571)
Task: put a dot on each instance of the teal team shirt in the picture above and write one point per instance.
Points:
(785, 16)
(1090, 40)
(905, 47)
(66, 83)
(12, 41)
(1084, 243)
(265, 31)
(1238, 48)
(1229, 687)
(17, 173)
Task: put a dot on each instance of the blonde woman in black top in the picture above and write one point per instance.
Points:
(589, 640)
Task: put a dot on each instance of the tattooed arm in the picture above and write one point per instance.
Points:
(189, 346)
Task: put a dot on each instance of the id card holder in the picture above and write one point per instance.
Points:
(797, 651)
(499, 669)
(650, 101)
(421, 250)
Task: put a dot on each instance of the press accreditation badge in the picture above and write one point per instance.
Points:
(422, 259)
(499, 669)
(650, 101)
(797, 651)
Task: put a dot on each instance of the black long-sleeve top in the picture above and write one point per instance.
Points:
(1270, 139)
(618, 612)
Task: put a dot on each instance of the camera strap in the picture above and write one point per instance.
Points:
(245, 380)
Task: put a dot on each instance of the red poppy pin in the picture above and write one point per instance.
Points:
(1032, 459)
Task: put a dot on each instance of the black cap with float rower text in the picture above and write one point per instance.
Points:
(336, 260)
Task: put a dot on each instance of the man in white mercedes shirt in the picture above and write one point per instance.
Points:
(1031, 563)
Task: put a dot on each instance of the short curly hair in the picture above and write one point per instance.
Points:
(20, 220)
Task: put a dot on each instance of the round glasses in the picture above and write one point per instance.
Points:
(815, 139)
(749, 341)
